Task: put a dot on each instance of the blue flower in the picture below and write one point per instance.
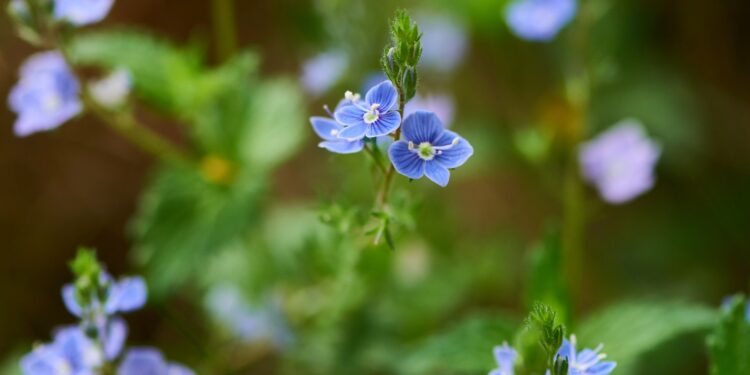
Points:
(585, 362)
(506, 359)
(328, 129)
(620, 162)
(442, 105)
(112, 90)
(375, 116)
(427, 149)
(126, 295)
(46, 95)
(323, 71)
(539, 20)
(444, 42)
(82, 12)
(149, 361)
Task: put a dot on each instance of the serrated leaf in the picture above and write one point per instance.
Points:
(729, 344)
(631, 329)
(464, 348)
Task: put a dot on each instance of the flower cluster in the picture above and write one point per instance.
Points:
(584, 362)
(48, 93)
(539, 20)
(422, 146)
(95, 344)
(620, 162)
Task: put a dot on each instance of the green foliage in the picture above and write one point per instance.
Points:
(172, 79)
(631, 329)
(400, 59)
(87, 270)
(539, 339)
(465, 348)
(546, 281)
(729, 344)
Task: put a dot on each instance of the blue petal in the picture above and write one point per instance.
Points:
(126, 295)
(386, 124)
(343, 146)
(142, 361)
(82, 12)
(349, 114)
(69, 299)
(384, 94)
(178, 369)
(354, 132)
(437, 173)
(74, 346)
(421, 127)
(405, 161)
(603, 368)
(567, 351)
(117, 332)
(325, 127)
(43, 360)
(457, 155)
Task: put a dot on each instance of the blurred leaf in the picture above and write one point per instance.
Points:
(630, 329)
(464, 348)
(171, 78)
(729, 343)
(546, 280)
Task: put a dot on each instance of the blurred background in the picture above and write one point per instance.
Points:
(681, 67)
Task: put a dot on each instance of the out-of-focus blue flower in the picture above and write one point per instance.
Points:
(149, 361)
(328, 129)
(620, 162)
(127, 294)
(82, 12)
(440, 104)
(539, 20)
(444, 42)
(46, 94)
(375, 116)
(249, 323)
(427, 149)
(323, 71)
(373, 80)
(585, 362)
(70, 352)
(505, 356)
(112, 90)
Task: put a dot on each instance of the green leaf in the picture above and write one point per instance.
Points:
(464, 348)
(729, 344)
(546, 280)
(168, 77)
(631, 329)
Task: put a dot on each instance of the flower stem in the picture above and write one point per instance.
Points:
(382, 198)
(224, 28)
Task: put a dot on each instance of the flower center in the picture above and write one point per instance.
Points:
(51, 102)
(426, 151)
(372, 114)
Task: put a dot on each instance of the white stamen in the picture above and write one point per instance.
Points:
(334, 132)
(352, 97)
(411, 146)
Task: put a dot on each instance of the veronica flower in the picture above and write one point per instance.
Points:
(45, 96)
(375, 116)
(82, 12)
(427, 149)
(323, 71)
(440, 104)
(505, 356)
(127, 294)
(444, 42)
(539, 20)
(149, 361)
(328, 129)
(112, 90)
(620, 162)
(585, 362)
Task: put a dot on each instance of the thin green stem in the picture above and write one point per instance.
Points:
(382, 198)
(224, 28)
(375, 155)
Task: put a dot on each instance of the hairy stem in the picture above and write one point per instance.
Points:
(382, 198)
(224, 28)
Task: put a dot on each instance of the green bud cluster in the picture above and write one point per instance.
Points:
(87, 271)
(32, 19)
(401, 57)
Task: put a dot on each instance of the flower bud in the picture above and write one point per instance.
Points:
(409, 82)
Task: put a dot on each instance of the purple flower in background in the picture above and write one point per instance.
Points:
(82, 12)
(149, 361)
(444, 42)
(585, 362)
(620, 162)
(328, 129)
(375, 116)
(440, 104)
(427, 149)
(127, 294)
(373, 80)
(539, 20)
(505, 356)
(323, 71)
(46, 94)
